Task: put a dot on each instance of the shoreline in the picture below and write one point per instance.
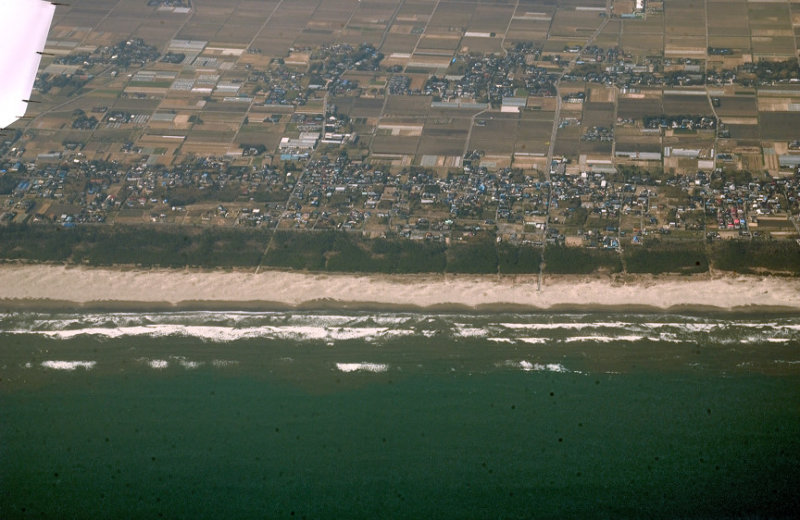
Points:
(32, 287)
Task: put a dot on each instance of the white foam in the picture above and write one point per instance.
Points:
(465, 331)
(190, 365)
(565, 326)
(69, 365)
(500, 340)
(222, 363)
(158, 364)
(667, 337)
(687, 327)
(223, 334)
(603, 339)
(527, 366)
(362, 367)
(761, 339)
(534, 341)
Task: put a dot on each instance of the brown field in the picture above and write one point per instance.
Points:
(638, 144)
(609, 37)
(399, 43)
(382, 144)
(744, 131)
(365, 107)
(631, 108)
(481, 45)
(441, 145)
(600, 94)
(771, 15)
(438, 43)
(533, 134)
(527, 30)
(446, 127)
(451, 14)
(567, 141)
(415, 10)
(598, 114)
(684, 18)
(642, 44)
(493, 138)
(652, 24)
(260, 135)
(741, 43)
(539, 104)
(727, 18)
(737, 106)
(691, 104)
(768, 46)
(198, 133)
(779, 125)
(572, 24)
(491, 18)
(407, 105)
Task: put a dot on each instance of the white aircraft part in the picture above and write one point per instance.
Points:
(24, 25)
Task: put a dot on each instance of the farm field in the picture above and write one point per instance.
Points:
(231, 73)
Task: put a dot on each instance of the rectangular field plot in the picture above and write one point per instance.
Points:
(737, 106)
(404, 106)
(533, 136)
(638, 144)
(727, 18)
(525, 29)
(609, 36)
(481, 45)
(399, 43)
(779, 125)
(744, 131)
(494, 136)
(415, 11)
(675, 104)
(597, 114)
(637, 108)
(438, 43)
(567, 141)
(643, 37)
(773, 46)
(441, 145)
(684, 18)
(575, 24)
(389, 144)
(491, 19)
(451, 14)
(366, 107)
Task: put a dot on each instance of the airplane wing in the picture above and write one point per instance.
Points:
(24, 25)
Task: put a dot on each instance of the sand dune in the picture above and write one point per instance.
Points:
(59, 286)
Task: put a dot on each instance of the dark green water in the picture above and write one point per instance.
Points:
(433, 436)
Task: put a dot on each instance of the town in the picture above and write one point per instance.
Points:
(593, 127)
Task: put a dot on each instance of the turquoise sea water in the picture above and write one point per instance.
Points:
(398, 415)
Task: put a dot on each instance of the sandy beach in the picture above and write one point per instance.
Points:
(35, 286)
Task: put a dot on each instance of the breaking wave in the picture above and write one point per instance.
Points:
(522, 329)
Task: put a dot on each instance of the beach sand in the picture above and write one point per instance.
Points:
(52, 286)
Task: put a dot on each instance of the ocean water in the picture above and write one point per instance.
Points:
(344, 414)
